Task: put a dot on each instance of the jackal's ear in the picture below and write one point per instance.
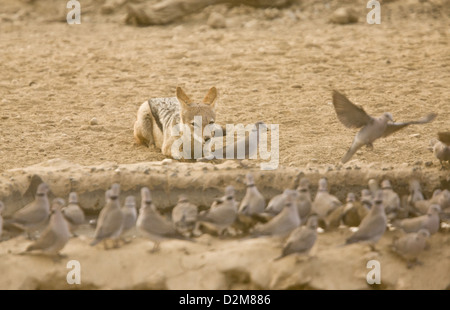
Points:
(211, 97)
(183, 98)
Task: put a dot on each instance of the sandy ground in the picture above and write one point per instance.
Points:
(56, 78)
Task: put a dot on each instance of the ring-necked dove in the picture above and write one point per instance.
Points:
(253, 202)
(184, 215)
(354, 211)
(324, 203)
(34, 215)
(222, 213)
(441, 147)
(440, 197)
(415, 192)
(373, 187)
(129, 215)
(73, 213)
(2, 207)
(373, 226)
(301, 239)
(304, 203)
(411, 245)
(277, 203)
(353, 116)
(429, 221)
(367, 198)
(56, 235)
(391, 200)
(152, 224)
(110, 219)
(283, 223)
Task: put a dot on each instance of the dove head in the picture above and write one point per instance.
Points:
(107, 195)
(312, 222)
(437, 192)
(249, 179)
(434, 209)
(323, 185)
(388, 116)
(58, 204)
(229, 192)
(130, 202)
(304, 185)
(423, 233)
(42, 189)
(378, 197)
(115, 191)
(386, 184)
(414, 185)
(182, 198)
(351, 197)
(146, 196)
(2, 207)
(73, 198)
(373, 185)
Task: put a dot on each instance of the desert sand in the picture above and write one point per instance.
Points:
(274, 65)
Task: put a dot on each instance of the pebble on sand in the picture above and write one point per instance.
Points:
(344, 16)
(93, 121)
(216, 21)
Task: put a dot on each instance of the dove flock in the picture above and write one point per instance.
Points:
(292, 216)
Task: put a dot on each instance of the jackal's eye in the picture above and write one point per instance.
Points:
(211, 122)
(194, 124)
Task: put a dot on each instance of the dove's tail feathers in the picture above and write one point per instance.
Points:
(351, 151)
(279, 257)
(30, 248)
(351, 240)
(94, 242)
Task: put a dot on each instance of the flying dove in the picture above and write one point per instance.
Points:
(324, 203)
(73, 213)
(301, 239)
(2, 207)
(441, 147)
(353, 116)
(184, 215)
(152, 224)
(222, 213)
(373, 226)
(283, 223)
(56, 235)
(411, 245)
(304, 203)
(429, 221)
(253, 202)
(35, 214)
(129, 215)
(391, 200)
(110, 219)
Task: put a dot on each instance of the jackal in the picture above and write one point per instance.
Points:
(156, 118)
